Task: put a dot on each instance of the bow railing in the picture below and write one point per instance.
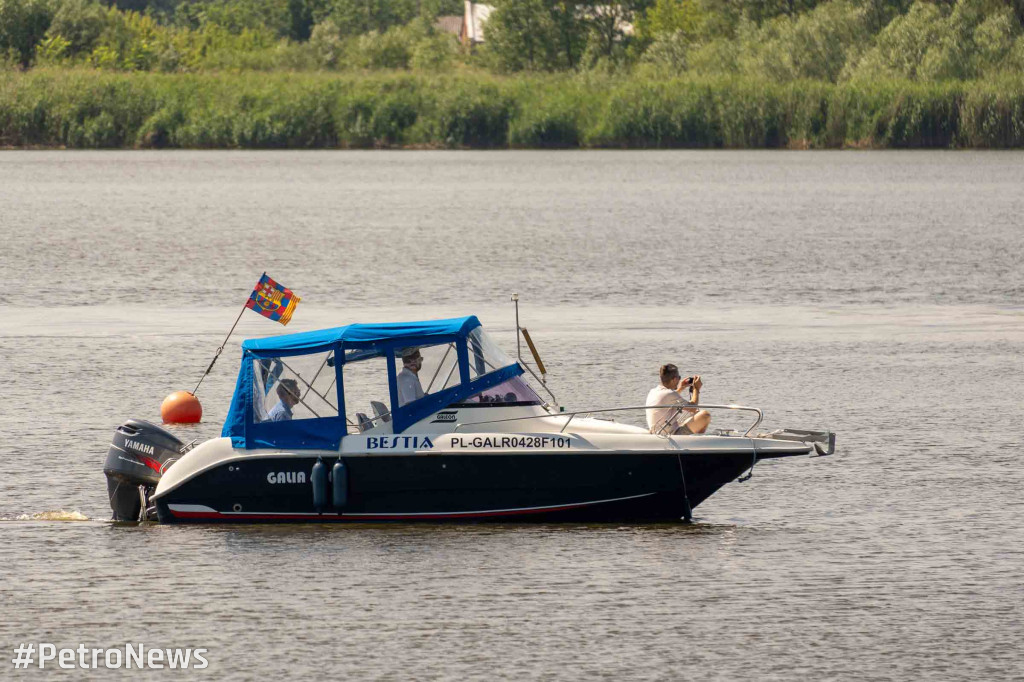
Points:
(572, 415)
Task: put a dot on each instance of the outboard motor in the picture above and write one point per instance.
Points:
(138, 457)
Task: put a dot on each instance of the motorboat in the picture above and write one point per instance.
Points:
(334, 426)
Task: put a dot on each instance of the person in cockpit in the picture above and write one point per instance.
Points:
(288, 392)
(669, 418)
(409, 388)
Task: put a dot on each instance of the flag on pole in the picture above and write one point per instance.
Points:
(272, 300)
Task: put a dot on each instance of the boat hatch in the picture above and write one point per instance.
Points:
(346, 380)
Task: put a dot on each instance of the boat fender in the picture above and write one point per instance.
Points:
(339, 478)
(318, 478)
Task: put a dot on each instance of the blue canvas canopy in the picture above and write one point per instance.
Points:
(357, 335)
(352, 343)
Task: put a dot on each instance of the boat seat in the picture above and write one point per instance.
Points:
(380, 410)
(365, 423)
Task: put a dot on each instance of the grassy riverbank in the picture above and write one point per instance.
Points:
(89, 109)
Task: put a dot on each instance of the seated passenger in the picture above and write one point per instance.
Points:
(288, 392)
(409, 388)
(667, 419)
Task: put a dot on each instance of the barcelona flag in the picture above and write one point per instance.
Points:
(272, 300)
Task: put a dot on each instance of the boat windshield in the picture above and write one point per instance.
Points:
(513, 393)
(485, 356)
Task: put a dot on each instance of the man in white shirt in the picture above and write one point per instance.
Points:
(409, 388)
(671, 418)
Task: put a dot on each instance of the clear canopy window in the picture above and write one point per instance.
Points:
(485, 356)
(367, 398)
(425, 370)
(512, 393)
(297, 387)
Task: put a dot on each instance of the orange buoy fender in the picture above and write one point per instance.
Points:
(181, 407)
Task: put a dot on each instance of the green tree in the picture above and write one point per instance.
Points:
(436, 52)
(613, 26)
(521, 36)
(759, 11)
(821, 41)
(671, 51)
(1017, 8)
(23, 23)
(549, 35)
(160, 8)
(571, 22)
(356, 17)
(327, 43)
(236, 15)
(668, 17)
(880, 12)
(130, 42)
(80, 23)
(303, 16)
(432, 9)
(934, 43)
(994, 39)
(901, 46)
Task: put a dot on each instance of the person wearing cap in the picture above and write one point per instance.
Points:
(288, 392)
(669, 418)
(409, 388)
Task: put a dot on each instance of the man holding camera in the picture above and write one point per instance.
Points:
(674, 414)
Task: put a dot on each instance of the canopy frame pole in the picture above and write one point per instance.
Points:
(315, 376)
(440, 365)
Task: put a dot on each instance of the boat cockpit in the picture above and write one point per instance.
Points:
(309, 390)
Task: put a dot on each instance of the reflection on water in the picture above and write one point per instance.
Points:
(60, 515)
(832, 290)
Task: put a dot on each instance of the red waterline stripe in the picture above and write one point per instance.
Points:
(375, 517)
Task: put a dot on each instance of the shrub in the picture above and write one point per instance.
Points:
(470, 114)
(993, 114)
(327, 44)
(650, 114)
(548, 118)
(434, 53)
(389, 50)
(670, 52)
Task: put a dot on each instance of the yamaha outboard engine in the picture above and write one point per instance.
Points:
(138, 457)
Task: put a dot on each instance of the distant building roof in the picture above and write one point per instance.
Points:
(450, 24)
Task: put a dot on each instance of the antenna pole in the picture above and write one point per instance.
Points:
(519, 352)
(520, 332)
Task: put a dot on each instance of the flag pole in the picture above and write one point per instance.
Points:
(219, 350)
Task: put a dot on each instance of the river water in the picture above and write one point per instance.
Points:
(878, 294)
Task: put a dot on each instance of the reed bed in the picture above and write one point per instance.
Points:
(91, 109)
